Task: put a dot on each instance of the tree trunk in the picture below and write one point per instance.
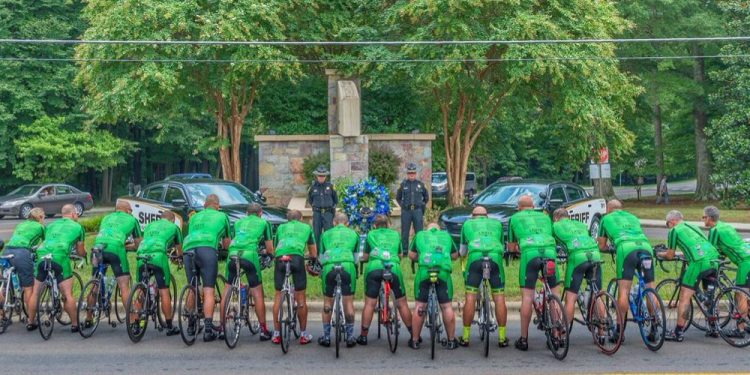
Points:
(229, 128)
(106, 188)
(658, 141)
(704, 189)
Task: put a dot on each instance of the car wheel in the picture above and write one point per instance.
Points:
(24, 212)
(79, 208)
(594, 229)
(2, 216)
(49, 216)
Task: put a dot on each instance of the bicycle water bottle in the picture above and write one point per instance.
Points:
(243, 294)
(152, 292)
(538, 300)
(634, 293)
(14, 280)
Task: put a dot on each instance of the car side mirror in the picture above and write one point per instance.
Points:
(178, 203)
(543, 195)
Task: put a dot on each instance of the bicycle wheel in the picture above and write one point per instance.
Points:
(286, 320)
(7, 305)
(77, 284)
(486, 320)
(251, 316)
(137, 310)
(612, 288)
(173, 295)
(220, 282)
(557, 328)
(90, 292)
(232, 317)
(699, 317)
(392, 323)
(669, 291)
(724, 306)
(338, 323)
(652, 320)
(45, 312)
(735, 331)
(116, 302)
(380, 309)
(189, 320)
(602, 322)
(433, 311)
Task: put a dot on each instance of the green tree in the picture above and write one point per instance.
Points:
(563, 99)
(146, 91)
(50, 150)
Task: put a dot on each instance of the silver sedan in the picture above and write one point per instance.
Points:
(50, 197)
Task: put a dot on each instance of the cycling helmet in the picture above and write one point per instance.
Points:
(313, 267)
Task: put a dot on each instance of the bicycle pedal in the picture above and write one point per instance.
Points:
(114, 325)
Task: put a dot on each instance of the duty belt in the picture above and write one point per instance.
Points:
(413, 207)
(322, 210)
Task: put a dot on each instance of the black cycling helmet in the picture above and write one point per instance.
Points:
(313, 267)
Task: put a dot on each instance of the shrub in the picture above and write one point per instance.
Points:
(312, 162)
(91, 224)
(383, 165)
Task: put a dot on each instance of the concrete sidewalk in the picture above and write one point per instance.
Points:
(742, 227)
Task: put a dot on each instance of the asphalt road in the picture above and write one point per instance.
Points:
(110, 351)
(675, 188)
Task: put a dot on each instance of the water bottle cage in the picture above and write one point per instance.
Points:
(387, 275)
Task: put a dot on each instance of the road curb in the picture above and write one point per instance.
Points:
(649, 223)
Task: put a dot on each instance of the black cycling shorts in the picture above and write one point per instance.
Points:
(584, 270)
(161, 281)
(475, 276)
(253, 277)
(23, 264)
(533, 267)
(299, 274)
(206, 263)
(41, 274)
(330, 284)
(441, 289)
(633, 262)
(111, 260)
(373, 281)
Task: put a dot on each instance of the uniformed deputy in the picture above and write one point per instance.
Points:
(412, 197)
(322, 198)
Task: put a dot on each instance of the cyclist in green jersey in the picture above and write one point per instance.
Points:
(480, 237)
(623, 231)
(26, 236)
(208, 230)
(583, 256)
(158, 237)
(292, 238)
(530, 233)
(118, 232)
(337, 248)
(433, 249)
(701, 257)
(61, 237)
(383, 247)
(249, 233)
(730, 244)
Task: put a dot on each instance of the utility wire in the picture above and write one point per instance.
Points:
(348, 61)
(377, 42)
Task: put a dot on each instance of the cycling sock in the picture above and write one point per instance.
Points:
(168, 323)
(209, 323)
(363, 331)
(349, 330)
(678, 329)
(327, 329)
(467, 333)
(501, 333)
(263, 327)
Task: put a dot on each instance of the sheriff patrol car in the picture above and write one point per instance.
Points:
(186, 196)
(501, 200)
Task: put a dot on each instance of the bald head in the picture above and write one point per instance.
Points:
(479, 211)
(168, 215)
(341, 218)
(526, 202)
(212, 200)
(614, 205)
(123, 206)
(69, 211)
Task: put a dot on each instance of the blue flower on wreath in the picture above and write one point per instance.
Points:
(357, 197)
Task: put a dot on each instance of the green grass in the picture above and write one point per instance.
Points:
(692, 210)
(314, 287)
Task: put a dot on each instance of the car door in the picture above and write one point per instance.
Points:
(45, 198)
(579, 208)
(63, 195)
(556, 198)
(175, 200)
(150, 205)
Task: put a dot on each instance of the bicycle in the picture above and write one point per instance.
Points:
(96, 296)
(288, 306)
(239, 306)
(338, 310)
(190, 311)
(50, 302)
(597, 308)
(10, 288)
(434, 317)
(144, 302)
(485, 306)
(386, 308)
(550, 314)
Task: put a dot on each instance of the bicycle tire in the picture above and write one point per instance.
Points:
(729, 331)
(669, 291)
(7, 304)
(136, 320)
(338, 322)
(251, 316)
(89, 291)
(612, 288)
(556, 327)
(392, 324)
(433, 327)
(657, 320)
(485, 313)
(220, 282)
(116, 297)
(603, 318)
(285, 318)
(45, 312)
(232, 317)
(173, 294)
(62, 316)
(380, 309)
(189, 317)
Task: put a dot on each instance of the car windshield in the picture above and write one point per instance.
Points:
(439, 177)
(508, 195)
(25, 190)
(229, 194)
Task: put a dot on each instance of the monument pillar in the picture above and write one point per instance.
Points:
(348, 147)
